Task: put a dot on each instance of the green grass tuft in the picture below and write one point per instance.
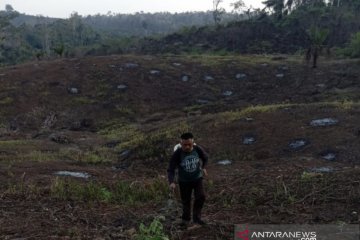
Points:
(122, 192)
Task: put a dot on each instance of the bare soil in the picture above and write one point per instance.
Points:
(46, 127)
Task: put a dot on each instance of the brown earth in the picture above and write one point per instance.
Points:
(47, 126)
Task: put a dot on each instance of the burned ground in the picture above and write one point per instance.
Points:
(117, 118)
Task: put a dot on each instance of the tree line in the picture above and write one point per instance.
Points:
(25, 37)
(282, 26)
(308, 27)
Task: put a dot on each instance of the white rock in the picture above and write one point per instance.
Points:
(73, 174)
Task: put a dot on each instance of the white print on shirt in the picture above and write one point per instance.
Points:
(190, 163)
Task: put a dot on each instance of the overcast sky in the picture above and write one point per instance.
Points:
(63, 8)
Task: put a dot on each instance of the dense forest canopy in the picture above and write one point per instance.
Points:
(282, 26)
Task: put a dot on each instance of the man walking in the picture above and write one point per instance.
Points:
(190, 160)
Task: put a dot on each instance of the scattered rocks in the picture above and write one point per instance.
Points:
(185, 78)
(122, 87)
(248, 119)
(249, 140)
(298, 144)
(73, 174)
(224, 162)
(208, 78)
(320, 85)
(324, 122)
(283, 68)
(280, 75)
(125, 154)
(131, 65)
(328, 155)
(321, 170)
(154, 72)
(73, 90)
(240, 76)
(227, 93)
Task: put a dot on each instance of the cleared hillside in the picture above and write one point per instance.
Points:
(291, 135)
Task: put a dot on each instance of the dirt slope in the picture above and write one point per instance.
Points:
(290, 132)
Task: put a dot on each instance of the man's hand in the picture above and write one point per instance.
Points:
(205, 172)
(172, 186)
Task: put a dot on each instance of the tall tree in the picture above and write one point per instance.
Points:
(9, 8)
(77, 28)
(238, 6)
(6, 28)
(218, 11)
(276, 6)
(317, 39)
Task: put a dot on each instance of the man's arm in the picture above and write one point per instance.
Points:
(173, 165)
(203, 155)
(205, 158)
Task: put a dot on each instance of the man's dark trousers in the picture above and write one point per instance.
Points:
(185, 192)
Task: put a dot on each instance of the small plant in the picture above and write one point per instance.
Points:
(6, 101)
(122, 192)
(22, 188)
(353, 50)
(155, 231)
(124, 110)
(99, 155)
(211, 184)
(39, 156)
(282, 194)
(249, 111)
(307, 177)
(137, 192)
(83, 100)
(70, 189)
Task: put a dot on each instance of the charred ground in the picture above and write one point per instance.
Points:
(118, 117)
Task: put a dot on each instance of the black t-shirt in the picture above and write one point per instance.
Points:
(189, 164)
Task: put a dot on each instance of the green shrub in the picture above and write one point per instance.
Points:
(70, 189)
(353, 50)
(155, 231)
(121, 192)
(355, 45)
(6, 101)
(138, 192)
